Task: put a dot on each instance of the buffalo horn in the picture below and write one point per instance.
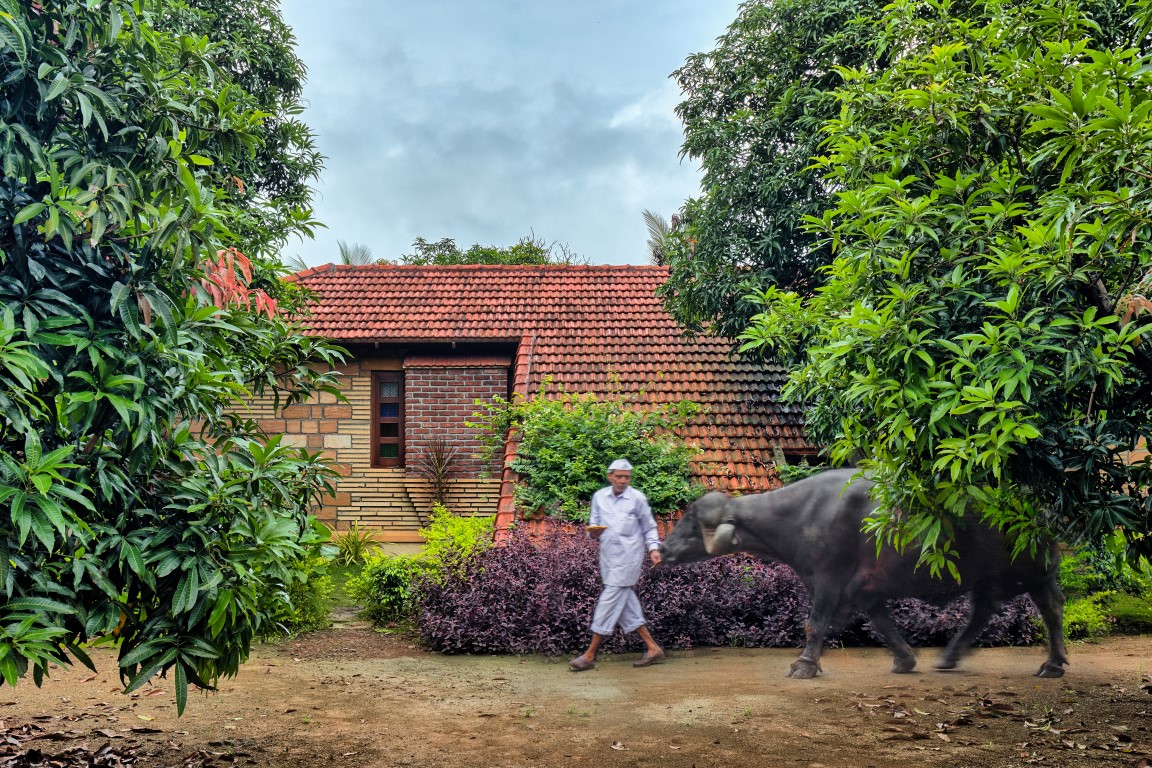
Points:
(724, 540)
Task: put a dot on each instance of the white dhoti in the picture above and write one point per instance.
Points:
(617, 606)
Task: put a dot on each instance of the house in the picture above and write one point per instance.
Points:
(427, 342)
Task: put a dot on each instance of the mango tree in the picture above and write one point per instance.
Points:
(152, 166)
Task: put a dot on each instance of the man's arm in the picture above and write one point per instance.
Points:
(648, 526)
(594, 515)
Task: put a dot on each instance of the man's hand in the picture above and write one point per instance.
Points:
(655, 556)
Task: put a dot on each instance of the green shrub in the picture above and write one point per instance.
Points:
(384, 587)
(1132, 614)
(1085, 617)
(354, 545)
(309, 596)
(452, 539)
(790, 473)
(567, 441)
(1101, 567)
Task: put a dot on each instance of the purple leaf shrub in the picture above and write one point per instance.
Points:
(536, 595)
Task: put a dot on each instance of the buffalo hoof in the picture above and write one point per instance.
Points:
(1048, 669)
(945, 664)
(804, 669)
(903, 666)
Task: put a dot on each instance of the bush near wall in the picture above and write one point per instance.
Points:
(565, 441)
(385, 585)
(537, 596)
(1106, 593)
(309, 601)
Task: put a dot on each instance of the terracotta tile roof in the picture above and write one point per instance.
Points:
(580, 325)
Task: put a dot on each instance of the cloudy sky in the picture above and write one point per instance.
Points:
(485, 121)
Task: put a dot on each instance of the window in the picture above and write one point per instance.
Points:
(388, 419)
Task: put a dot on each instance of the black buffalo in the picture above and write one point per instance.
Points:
(814, 526)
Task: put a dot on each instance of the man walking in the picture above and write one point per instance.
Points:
(623, 524)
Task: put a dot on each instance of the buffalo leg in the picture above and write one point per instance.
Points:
(982, 610)
(904, 657)
(819, 622)
(1050, 602)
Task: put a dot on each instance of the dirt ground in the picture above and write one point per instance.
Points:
(354, 697)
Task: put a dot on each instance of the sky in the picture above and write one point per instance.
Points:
(488, 121)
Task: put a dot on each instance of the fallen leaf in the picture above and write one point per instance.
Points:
(145, 717)
(943, 737)
(618, 746)
(155, 692)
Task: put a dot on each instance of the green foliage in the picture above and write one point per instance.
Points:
(979, 346)
(752, 110)
(265, 181)
(1101, 567)
(790, 473)
(567, 440)
(1086, 617)
(450, 540)
(384, 587)
(141, 144)
(1131, 614)
(387, 586)
(1098, 579)
(528, 250)
(307, 601)
(353, 546)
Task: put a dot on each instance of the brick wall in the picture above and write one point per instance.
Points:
(438, 402)
(393, 501)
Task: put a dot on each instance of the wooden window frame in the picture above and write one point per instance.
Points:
(379, 377)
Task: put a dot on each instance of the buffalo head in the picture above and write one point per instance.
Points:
(706, 530)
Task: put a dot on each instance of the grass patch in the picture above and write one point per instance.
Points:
(341, 575)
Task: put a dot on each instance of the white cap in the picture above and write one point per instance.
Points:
(620, 465)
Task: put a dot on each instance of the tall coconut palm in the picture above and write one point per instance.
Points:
(658, 232)
(356, 254)
(353, 254)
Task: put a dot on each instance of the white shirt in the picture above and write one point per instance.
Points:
(631, 531)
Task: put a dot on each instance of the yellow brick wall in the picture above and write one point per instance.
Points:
(391, 500)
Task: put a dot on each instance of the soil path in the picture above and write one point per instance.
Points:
(354, 697)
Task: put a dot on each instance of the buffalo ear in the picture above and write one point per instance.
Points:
(725, 539)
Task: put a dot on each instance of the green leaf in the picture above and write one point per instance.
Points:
(40, 604)
(181, 687)
(28, 212)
